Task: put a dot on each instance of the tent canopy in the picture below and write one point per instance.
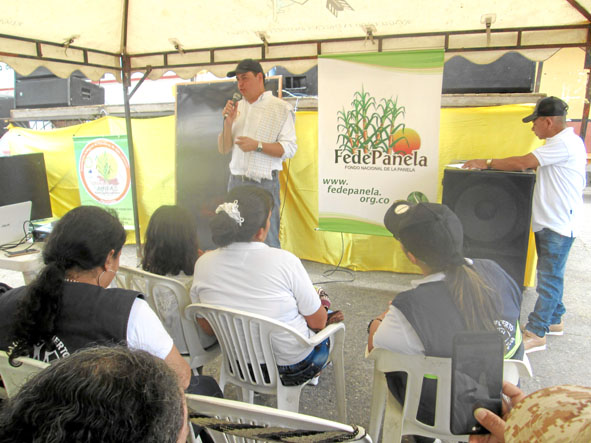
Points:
(186, 36)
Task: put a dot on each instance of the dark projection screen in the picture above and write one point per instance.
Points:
(202, 172)
(23, 178)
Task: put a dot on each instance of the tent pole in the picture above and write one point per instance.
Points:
(145, 76)
(586, 65)
(126, 82)
(585, 118)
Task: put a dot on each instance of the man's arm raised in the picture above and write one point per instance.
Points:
(225, 141)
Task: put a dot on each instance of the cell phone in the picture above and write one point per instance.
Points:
(476, 379)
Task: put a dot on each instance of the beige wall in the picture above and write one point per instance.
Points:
(564, 76)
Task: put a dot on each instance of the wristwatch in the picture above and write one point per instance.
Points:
(489, 163)
(260, 147)
(371, 321)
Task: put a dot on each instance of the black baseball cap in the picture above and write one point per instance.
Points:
(430, 231)
(247, 65)
(547, 107)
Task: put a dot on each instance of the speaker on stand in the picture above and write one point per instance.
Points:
(495, 210)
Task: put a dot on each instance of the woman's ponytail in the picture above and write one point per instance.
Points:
(479, 304)
(36, 315)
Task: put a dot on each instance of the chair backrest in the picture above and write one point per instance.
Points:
(14, 377)
(155, 288)
(245, 413)
(416, 367)
(516, 370)
(246, 342)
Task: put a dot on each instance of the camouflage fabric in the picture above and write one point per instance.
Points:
(555, 414)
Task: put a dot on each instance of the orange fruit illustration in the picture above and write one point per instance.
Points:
(406, 146)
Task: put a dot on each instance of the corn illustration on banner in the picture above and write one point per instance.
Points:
(378, 136)
(104, 175)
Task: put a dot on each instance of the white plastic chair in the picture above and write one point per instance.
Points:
(516, 370)
(14, 377)
(154, 286)
(245, 337)
(244, 413)
(401, 420)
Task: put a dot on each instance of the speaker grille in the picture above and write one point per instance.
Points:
(495, 210)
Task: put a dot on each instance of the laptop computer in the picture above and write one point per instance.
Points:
(12, 219)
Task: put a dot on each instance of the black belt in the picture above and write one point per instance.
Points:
(244, 178)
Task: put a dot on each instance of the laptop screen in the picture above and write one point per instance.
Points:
(12, 222)
(22, 178)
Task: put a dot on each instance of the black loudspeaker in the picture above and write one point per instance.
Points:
(42, 89)
(298, 85)
(495, 210)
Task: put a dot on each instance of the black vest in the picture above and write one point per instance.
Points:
(430, 310)
(433, 315)
(90, 315)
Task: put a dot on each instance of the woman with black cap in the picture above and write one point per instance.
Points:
(456, 294)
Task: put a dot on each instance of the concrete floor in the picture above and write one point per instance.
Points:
(566, 360)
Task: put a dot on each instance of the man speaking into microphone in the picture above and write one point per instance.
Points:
(259, 130)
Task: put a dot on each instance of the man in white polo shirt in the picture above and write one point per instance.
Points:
(259, 131)
(557, 201)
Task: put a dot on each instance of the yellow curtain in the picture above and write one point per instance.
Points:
(464, 133)
(154, 158)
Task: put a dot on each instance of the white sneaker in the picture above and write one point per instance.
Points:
(314, 381)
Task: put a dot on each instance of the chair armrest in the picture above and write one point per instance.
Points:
(329, 331)
(521, 369)
(384, 360)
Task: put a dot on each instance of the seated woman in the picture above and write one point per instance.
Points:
(246, 274)
(171, 249)
(69, 306)
(456, 294)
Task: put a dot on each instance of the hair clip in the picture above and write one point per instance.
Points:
(231, 208)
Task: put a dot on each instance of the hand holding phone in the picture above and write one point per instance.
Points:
(493, 423)
(476, 379)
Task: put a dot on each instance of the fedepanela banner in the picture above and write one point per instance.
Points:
(378, 135)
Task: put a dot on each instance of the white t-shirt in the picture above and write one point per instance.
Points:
(267, 281)
(395, 332)
(561, 178)
(146, 332)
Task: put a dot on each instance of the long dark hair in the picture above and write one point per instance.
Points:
(171, 242)
(80, 241)
(254, 205)
(478, 302)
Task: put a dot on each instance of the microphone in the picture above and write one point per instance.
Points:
(235, 97)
